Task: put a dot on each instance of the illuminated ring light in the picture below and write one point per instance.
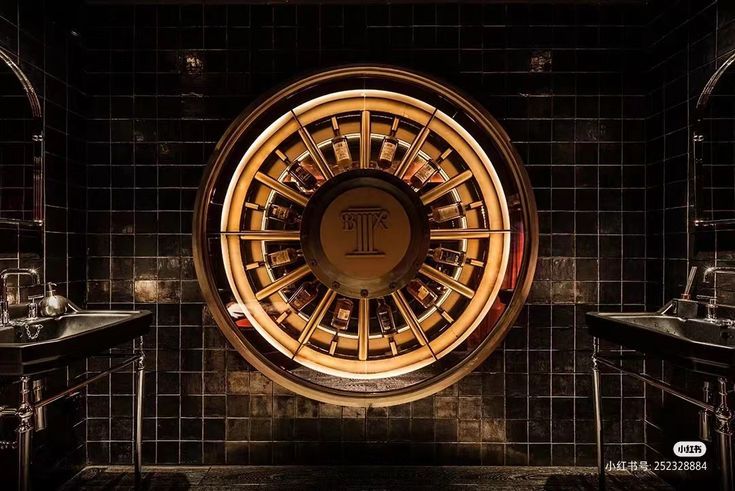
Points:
(301, 249)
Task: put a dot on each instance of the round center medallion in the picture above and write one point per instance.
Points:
(365, 233)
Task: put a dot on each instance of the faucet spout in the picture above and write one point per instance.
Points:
(712, 270)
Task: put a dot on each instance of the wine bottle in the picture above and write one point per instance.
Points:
(342, 312)
(304, 295)
(282, 257)
(447, 256)
(282, 213)
(385, 317)
(305, 180)
(422, 293)
(427, 169)
(388, 147)
(341, 147)
(447, 212)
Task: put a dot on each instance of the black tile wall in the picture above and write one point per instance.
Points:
(37, 34)
(567, 82)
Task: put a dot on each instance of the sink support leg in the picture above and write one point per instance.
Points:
(138, 430)
(723, 416)
(597, 395)
(25, 432)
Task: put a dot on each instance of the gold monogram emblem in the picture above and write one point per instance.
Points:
(364, 222)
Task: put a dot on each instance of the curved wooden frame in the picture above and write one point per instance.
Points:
(331, 395)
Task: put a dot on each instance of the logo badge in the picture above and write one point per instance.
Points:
(690, 449)
(364, 222)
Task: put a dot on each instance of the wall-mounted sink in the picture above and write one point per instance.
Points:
(31, 345)
(697, 344)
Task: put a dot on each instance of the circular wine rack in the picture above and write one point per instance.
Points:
(365, 236)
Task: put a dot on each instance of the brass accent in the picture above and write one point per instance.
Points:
(411, 321)
(415, 148)
(315, 319)
(264, 235)
(363, 328)
(466, 233)
(365, 140)
(443, 188)
(282, 282)
(281, 188)
(446, 280)
(244, 237)
(316, 154)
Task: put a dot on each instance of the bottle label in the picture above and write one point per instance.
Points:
(279, 257)
(342, 150)
(387, 151)
(448, 212)
(448, 257)
(303, 176)
(279, 212)
(422, 292)
(300, 299)
(424, 173)
(343, 314)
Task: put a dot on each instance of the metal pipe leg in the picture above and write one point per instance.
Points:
(598, 415)
(724, 434)
(138, 430)
(25, 432)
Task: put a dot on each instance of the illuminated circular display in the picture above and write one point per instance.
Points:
(365, 236)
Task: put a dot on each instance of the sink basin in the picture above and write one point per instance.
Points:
(30, 346)
(693, 343)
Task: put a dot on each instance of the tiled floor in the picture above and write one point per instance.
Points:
(298, 478)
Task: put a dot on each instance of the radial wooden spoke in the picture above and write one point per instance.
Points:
(365, 140)
(267, 235)
(437, 192)
(282, 317)
(283, 282)
(445, 314)
(281, 188)
(446, 280)
(316, 154)
(315, 319)
(363, 329)
(393, 346)
(333, 344)
(464, 233)
(414, 149)
(411, 320)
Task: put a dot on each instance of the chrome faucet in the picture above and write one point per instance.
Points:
(712, 303)
(4, 304)
(712, 270)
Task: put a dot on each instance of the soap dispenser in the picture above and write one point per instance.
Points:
(52, 304)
